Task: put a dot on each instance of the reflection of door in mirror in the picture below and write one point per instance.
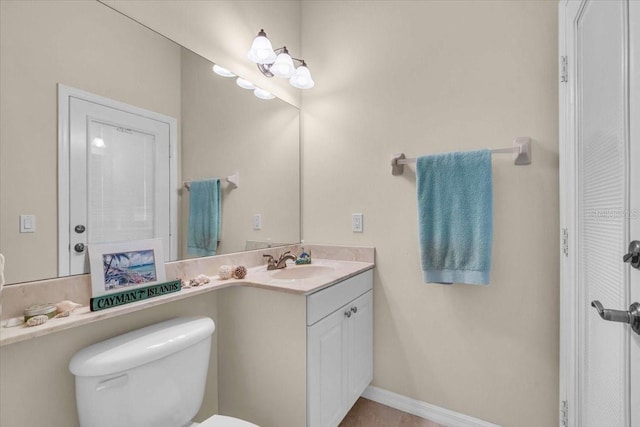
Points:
(117, 182)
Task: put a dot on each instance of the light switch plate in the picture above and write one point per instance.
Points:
(27, 223)
(257, 222)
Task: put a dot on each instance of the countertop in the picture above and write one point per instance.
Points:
(258, 277)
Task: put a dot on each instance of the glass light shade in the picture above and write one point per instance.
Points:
(98, 142)
(245, 84)
(263, 94)
(283, 67)
(302, 78)
(222, 71)
(261, 51)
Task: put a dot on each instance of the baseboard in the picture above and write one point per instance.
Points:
(423, 409)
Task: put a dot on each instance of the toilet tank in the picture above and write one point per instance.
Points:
(154, 376)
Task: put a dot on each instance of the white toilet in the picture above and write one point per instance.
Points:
(150, 377)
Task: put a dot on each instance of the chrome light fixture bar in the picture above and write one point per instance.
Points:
(279, 63)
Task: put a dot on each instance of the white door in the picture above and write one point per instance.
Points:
(327, 369)
(360, 346)
(600, 211)
(120, 181)
(634, 134)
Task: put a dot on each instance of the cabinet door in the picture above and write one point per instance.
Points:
(360, 347)
(326, 370)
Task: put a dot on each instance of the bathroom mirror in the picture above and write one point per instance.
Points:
(222, 129)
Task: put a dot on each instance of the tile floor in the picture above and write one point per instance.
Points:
(367, 413)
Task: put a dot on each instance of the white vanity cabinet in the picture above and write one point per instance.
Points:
(339, 349)
(292, 359)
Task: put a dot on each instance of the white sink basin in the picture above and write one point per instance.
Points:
(301, 272)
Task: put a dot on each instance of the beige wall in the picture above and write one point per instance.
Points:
(426, 77)
(37, 385)
(223, 30)
(85, 45)
(225, 130)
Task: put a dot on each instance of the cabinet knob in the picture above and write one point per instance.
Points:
(354, 309)
(347, 313)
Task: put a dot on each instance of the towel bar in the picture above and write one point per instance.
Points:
(233, 180)
(521, 155)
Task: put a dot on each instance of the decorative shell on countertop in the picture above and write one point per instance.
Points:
(226, 271)
(67, 306)
(202, 279)
(239, 272)
(37, 320)
(199, 281)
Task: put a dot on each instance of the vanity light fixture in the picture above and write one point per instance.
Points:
(245, 84)
(221, 71)
(98, 142)
(263, 94)
(279, 63)
(258, 92)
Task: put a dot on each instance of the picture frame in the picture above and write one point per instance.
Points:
(124, 266)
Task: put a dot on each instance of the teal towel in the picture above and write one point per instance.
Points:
(455, 215)
(204, 217)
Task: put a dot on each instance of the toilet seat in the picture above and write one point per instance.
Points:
(223, 421)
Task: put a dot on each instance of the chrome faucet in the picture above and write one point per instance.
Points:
(281, 263)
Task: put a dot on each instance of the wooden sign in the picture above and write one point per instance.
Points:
(134, 295)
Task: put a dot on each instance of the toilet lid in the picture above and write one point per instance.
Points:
(223, 421)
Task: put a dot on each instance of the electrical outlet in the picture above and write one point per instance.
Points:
(257, 222)
(356, 223)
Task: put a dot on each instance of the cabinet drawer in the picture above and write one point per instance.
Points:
(328, 300)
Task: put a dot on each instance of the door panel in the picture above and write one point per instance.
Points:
(360, 346)
(602, 153)
(119, 187)
(634, 194)
(327, 367)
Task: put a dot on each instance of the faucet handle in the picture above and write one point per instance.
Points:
(271, 262)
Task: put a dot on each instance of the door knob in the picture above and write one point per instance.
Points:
(632, 316)
(79, 247)
(79, 228)
(633, 256)
(347, 313)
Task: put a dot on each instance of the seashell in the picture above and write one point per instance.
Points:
(37, 320)
(225, 272)
(185, 283)
(193, 283)
(67, 306)
(63, 314)
(239, 272)
(202, 279)
(14, 321)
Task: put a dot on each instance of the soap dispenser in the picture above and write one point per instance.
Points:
(304, 258)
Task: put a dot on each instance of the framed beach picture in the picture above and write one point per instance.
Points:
(122, 266)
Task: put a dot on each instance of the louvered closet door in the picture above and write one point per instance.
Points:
(602, 112)
(634, 195)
